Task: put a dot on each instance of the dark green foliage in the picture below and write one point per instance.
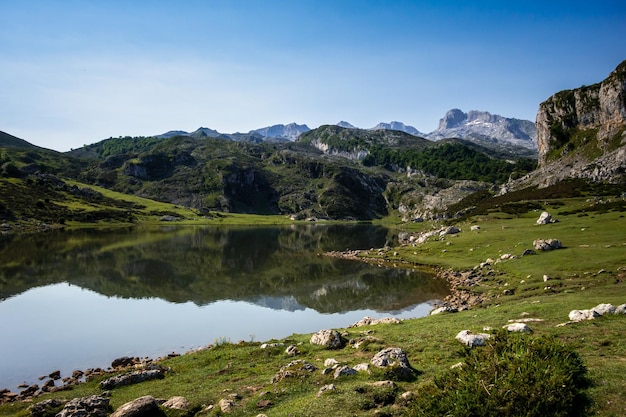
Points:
(514, 375)
(449, 160)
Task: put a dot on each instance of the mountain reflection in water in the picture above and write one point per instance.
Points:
(220, 279)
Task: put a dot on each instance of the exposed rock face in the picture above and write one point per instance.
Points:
(143, 406)
(483, 125)
(600, 106)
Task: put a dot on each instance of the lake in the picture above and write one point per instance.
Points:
(78, 299)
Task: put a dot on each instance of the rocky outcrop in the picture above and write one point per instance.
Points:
(599, 107)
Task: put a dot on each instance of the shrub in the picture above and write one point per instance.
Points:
(512, 376)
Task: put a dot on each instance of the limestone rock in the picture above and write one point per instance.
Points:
(226, 405)
(145, 406)
(603, 309)
(330, 339)
(547, 244)
(297, 368)
(517, 327)
(177, 403)
(580, 315)
(44, 408)
(92, 406)
(395, 361)
(620, 309)
(132, 378)
(292, 350)
(344, 371)
(369, 321)
(470, 339)
(544, 218)
(444, 309)
(326, 388)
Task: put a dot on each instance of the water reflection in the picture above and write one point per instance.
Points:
(77, 299)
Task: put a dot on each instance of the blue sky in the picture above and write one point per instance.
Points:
(76, 72)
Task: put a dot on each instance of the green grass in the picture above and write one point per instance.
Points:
(593, 243)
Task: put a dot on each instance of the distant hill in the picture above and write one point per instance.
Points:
(7, 140)
(399, 126)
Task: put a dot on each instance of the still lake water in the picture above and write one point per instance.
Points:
(79, 299)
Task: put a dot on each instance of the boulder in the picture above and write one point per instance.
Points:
(395, 362)
(603, 309)
(226, 405)
(177, 403)
(517, 327)
(344, 371)
(620, 309)
(580, 315)
(547, 244)
(390, 356)
(292, 350)
(444, 309)
(330, 339)
(472, 339)
(132, 378)
(475, 228)
(326, 388)
(544, 218)
(92, 406)
(450, 230)
(143, 406)
(45, 408)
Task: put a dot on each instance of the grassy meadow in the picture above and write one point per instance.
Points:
(589, 270)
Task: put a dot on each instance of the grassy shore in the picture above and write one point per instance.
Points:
(589, 270)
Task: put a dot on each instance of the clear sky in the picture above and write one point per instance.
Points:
(75, 72)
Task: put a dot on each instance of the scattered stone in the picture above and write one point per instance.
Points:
(92, 406)
(474, 228)
(326, 388)
(344, 371)
(545, 218)
(528, 252)
(507, 256)
(330, 362)
(226, 405)
(508, 292)
(457, 365)
(597, 311)
(369, 321)
(396, 361)
(48, 385)
(517, 327)
(45, 408)
(364, 341)
(271, 345)
(143, 406)
(362, 367)
(546, 278)
(330, 339)
(450, 230)
(407, 396)
(444, 309)
(470, 339)
(56, 375)
(547, 244)
(294, 369)
(169, 218)
(580, 315)
(177, 403)
(292, 350)
(133, 378)
(124, 362)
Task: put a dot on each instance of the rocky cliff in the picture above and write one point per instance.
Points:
(572, 118)
(581, 133)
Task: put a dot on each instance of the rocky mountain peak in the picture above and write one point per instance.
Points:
(395, 125)
(453, 118)
(482, 126)
(346, 125)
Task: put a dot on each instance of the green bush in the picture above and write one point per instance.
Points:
(511, 376)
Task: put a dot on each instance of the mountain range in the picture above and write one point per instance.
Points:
(482, 127)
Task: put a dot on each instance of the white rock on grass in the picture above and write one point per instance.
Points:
(472, 339)
(518, 328)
